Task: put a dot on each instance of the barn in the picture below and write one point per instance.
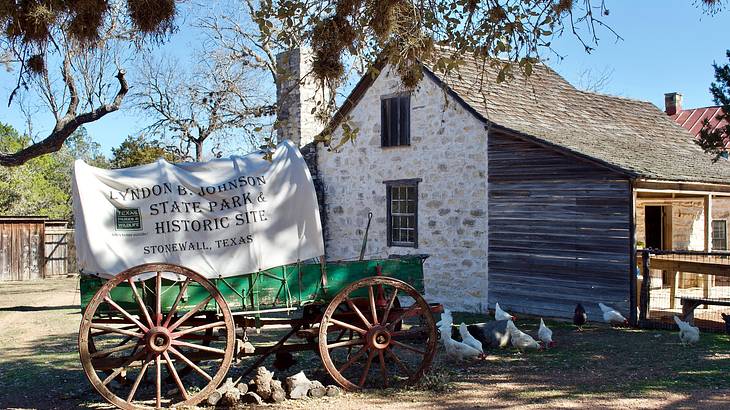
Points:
(524, 192)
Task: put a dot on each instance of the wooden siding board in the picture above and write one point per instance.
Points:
(559, 230)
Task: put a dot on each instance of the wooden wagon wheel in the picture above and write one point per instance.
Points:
(401, 341)
(150, 347)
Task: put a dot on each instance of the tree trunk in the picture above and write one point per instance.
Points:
(198, 150)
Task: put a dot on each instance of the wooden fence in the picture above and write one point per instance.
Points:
(34, 248)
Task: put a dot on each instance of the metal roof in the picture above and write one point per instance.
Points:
(693, 119)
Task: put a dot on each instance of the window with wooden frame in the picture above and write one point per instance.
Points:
(402, 201)
(719, 235)
(395, 120)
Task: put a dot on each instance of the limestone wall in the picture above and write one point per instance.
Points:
(448, 152)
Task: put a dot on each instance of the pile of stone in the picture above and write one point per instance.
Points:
(264, 388)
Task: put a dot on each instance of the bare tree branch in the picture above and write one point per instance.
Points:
(65, 127)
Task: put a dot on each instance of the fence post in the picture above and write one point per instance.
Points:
(645, 285)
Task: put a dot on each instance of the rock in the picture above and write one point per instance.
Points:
(297, 386)
(492, 334)
(251, 398)
(214, 397)
(262, 380)
(277, 392)
(317, 390)
(332, 391)
(230, 397)
(242, 387)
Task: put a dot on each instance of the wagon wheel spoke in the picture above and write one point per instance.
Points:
(141, 304)
(407, 347)
(347, 326)
(158, 299)
(390, 306)
(126, 314)
(383, 369)
(351, 342)
(190, 363)
(371, 296)
(158, 382)
(365, 372)
(106, 332)
(173, 309)
(398, 361)
(175, 376)
(197, 329)
(107, 352)
(190, 313)
(352, 359)
(132, 392)
(199, 347)
(110, 329)
(354, 307)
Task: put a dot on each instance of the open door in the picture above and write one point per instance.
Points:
(658, 225)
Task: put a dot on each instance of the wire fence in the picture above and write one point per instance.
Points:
(693, 285)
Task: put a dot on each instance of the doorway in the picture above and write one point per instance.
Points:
(654, 221)
(658, 226)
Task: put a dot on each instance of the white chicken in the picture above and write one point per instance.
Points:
(612, 316)
(521, 340)
(468, 339)
(545, 334)
(688, 334)
(500, 314)
(445, 318)
(457, 350)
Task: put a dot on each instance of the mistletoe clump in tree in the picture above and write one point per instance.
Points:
(715, 141)
(64, 54)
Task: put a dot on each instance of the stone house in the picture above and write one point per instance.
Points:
(525, 192)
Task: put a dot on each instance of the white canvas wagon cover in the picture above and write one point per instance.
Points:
(219, 218)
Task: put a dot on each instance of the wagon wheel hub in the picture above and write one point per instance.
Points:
(158, 339)
(378, 337)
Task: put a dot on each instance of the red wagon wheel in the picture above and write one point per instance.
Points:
(135, 353)
(377, 343)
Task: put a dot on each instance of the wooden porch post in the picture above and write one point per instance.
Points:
(708, 242)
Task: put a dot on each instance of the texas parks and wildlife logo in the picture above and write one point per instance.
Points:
(128, 219)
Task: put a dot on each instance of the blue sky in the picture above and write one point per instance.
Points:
(667, 46)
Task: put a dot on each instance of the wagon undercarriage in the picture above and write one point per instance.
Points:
(162, 342)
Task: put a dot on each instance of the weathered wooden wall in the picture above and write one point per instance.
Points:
(57, 250)
(558, 231)
(21, 249)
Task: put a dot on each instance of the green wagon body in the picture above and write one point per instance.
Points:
(281, 288)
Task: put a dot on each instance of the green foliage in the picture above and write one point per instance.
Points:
(42, 186)
(139, 150)
(716, 141)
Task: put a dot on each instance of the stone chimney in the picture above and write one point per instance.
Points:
(672, 103)
(297, 94)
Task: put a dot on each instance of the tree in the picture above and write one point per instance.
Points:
(215, 98)
(138, 150)
(86, 40)
(42, 186)
(715, 141)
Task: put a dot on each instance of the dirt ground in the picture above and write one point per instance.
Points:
(599, 367)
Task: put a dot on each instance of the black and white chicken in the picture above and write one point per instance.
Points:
(580, 317)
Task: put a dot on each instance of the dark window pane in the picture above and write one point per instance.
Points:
(395, 127)
(405, 120)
